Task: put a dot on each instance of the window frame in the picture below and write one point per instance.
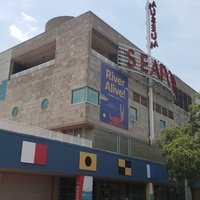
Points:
(85, 97)
(73, 97)
(135, 114)
(15, 111)
(45, 104)
(163, 123)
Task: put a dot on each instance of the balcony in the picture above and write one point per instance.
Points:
(33, 69)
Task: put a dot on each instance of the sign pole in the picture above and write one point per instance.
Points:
(150, 95)
(150, 81)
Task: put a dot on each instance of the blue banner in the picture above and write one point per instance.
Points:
(114, 97)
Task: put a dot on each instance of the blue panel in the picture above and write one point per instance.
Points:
(63, 158)
(114, 101)
(153, 169)
(3, 88)
(87, 195)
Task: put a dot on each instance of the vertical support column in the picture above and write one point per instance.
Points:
(151, 117)
(149, 191)
(84, 188)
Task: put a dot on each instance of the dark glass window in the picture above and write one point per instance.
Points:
(136, 97)
(158, 108)
(170, 114)
(164, 111)
(144, 101)
(185, 102)
(182, 100)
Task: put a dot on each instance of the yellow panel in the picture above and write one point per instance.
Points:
(121, 163)
(128, 172)
(88, 161)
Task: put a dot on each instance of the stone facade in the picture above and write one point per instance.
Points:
(76, 65)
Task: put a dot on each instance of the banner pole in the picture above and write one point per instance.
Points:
(150, 81)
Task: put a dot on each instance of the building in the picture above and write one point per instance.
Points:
(68, 80)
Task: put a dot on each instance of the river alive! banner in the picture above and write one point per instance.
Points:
(114, 97)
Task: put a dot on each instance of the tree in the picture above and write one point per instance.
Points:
(181, 148)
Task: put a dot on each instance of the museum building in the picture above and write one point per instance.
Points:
(75, 115)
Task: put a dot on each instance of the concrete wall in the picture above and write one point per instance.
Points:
(76, 65)
(54, 83)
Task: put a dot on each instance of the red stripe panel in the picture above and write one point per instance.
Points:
(79, 187)
(40, 154)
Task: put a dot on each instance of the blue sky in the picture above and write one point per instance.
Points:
(178, 27)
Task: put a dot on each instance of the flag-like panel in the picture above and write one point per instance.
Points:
(88, 161)
(151, 171)
(124, 167)
(34, 153)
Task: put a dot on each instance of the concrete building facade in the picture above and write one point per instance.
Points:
(54, 81)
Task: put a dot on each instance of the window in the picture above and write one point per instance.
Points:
(92, 96)
(15, 111)
(77, 132)
(133, 114)
(85, 94)
(34, 58)
(136, 97)
(104, 46)
(164, 111)
(144, 101)
(183, 100)
(170, 114)
(162, 124)
(158, 108)
(78, 95)
(45, 104)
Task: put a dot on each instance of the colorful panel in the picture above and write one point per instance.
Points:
(34, 153)
(151, 171)
(114, 97)
(124, 167)
(88, 161)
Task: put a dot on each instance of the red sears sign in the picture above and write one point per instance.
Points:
(135, 60)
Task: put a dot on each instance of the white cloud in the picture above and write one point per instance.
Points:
(17, 33)
(28, 18)
(24, 27)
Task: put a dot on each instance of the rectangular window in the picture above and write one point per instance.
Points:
(136, 97)
(170, 114)
(92, 96)
(78, 95)
(104, 46)
(180, 98)
(144, 101)
(158, 108)
(185, 102)
(164, 111)
(162, 124)
(133, 114)
(85, 94)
